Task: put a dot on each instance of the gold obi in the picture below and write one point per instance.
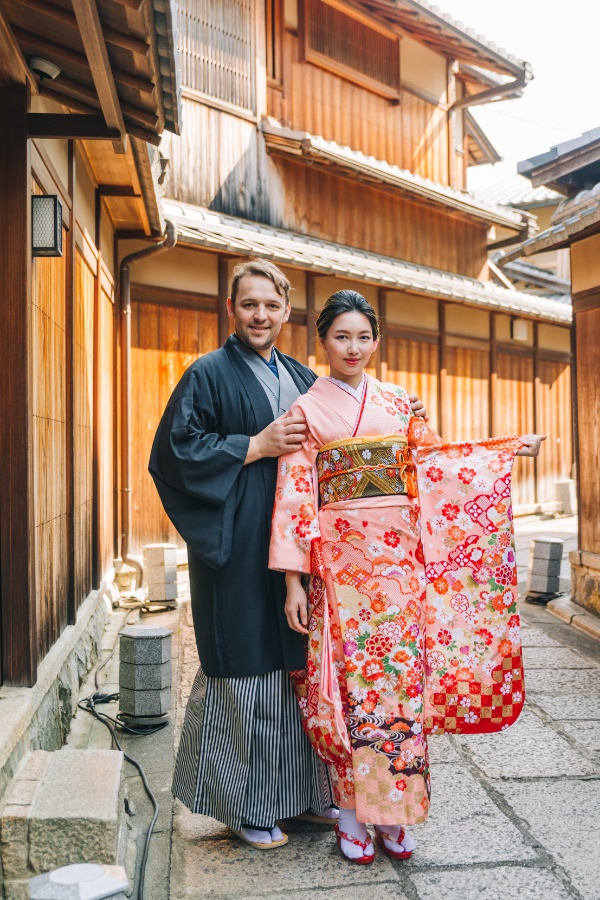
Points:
(366, 467)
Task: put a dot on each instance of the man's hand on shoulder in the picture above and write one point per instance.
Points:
(417, 406)
(285, 435)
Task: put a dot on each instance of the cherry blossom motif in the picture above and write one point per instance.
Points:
(460, 602)
(302, 485)
(467, 475)
(450, 511)
(391, 538)
(444, 637)
(434, 474)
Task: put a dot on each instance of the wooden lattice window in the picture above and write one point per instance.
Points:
(351, 44)
(274, 40)
(217, 49)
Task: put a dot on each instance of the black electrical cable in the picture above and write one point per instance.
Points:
(89, 705)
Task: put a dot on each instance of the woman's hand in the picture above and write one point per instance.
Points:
(531, 444)
(417, 406)
(296, 604)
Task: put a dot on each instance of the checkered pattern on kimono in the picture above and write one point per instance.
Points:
(490, 707)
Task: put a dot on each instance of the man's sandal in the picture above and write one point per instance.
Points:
(259, 845)
(361, 860)
(315, 818)
(382, 836)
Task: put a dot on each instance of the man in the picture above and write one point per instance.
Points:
(243, 757)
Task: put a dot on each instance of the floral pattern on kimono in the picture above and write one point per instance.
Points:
(420, 642)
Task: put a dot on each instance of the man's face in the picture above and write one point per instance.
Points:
(258, 313)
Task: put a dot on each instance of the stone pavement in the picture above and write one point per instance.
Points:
(512, 815)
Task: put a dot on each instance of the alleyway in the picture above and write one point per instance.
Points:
(515, 815)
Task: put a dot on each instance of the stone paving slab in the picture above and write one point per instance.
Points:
(219, 868)
(193, 828)
(583, 682)
(564, 816)
(376, 890)
(528, 749)
(535, 637)
(441, 750)
(569, 708)
(464, 826)
(554, 658)
(585, 733)
(501, 883)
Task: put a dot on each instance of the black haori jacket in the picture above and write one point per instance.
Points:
(222, 509)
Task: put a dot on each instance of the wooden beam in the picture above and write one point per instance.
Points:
(382, 357)
(118, 190)
(224, 327)
(67, 19)
(443, 372)
(146, 293)
(81, 91)
(90, 28)
(70, 331)
(46, 90)
(61, 54)
(81, 127)
(311, 341)
(18, 67)
(17, 535)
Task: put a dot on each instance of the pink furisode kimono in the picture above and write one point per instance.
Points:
(412, 599)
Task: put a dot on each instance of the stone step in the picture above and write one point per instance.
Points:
(62, 808)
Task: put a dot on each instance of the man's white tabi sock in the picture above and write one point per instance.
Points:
(408, 842)
(258, 836)
(330, 812)
(349, 823)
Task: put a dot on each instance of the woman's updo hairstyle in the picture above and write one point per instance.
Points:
(343, 302)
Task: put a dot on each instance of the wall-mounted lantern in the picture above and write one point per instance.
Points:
(46, 225)
(519, 329)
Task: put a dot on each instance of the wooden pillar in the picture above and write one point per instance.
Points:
(575, 419)
(224, 327)
(17, 535)
(493, 382)
(443, 372)
(70, 389)
(311, 353)
(536, 390)
(382, 356)
(96, 507)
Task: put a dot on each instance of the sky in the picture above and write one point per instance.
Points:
(560, 40)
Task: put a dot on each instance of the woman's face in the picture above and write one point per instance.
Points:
(349, 344)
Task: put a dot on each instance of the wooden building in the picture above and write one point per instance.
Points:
(334, 138)
(573, 169)
(86, 89)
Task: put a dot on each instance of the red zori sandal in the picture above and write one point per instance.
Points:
(361, 860)
(382, 836)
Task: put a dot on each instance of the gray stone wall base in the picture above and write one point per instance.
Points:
(585, 579)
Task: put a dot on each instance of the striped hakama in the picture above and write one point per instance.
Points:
(244, 758)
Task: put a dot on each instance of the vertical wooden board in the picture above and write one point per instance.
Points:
(514, 414)
(466, 404)
(415, 366)
(105, 415)
(588, 404)
(554, 418)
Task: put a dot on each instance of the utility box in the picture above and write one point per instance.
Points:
(160, 572)
(566, 497)
(145, 675)
(545, 561)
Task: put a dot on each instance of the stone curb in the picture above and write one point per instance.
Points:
(573, 614)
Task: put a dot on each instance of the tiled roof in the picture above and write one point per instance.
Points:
(563, 149)
(300, 144)
(518, 191)
(227, 234)
(572, 217)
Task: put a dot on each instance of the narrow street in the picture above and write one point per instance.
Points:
(513, 815)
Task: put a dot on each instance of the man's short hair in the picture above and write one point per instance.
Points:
(260, 267)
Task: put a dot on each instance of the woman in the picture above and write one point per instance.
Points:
(346, 514)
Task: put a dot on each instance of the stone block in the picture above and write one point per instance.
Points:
(14, 846)
(543, 584)
(78, 812)
(16, 890)
(509, 882)
(82, 881)
(34, 765)
(145, 703)
(145, 646)
(161, 593)
(160, 555)
(547, 548)
(161, 574)
(566, 497)
(549, 567)
(145, 678)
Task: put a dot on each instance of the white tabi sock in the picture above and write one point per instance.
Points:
(408, 842)
(330, 812)
(258, 836)
(349, 823)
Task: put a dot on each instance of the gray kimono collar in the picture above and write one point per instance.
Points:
(281, 392)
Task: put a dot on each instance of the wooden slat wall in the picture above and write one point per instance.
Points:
(465, 404)
(292, 341)
(514, 414)
(332, 208)
(412, 134)
(105, 413)
(165, 340)
(415, 365)
(50, 447)
(588, 404)
(553, 408)
(83, 411)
